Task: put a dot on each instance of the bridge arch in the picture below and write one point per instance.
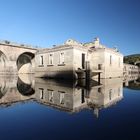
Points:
(3, 60)
(25, 62)
(24, 88)
(3, 88)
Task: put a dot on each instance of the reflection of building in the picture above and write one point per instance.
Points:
(69, 97)
(59, 95)
(109, 93)
(76, 60)
(131, 73)
(132, 81)
(135, 85)
(73, 99)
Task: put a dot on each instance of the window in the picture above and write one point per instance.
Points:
(62, 95)
(83, 61)
(110, 94)
(99, 66)
(82, 96)
(119, 62)
(110, 59)
(119, 91)
(125, 68)
(99, 90)
(61, 59)
(41, 61)
(50, 59)
(50, 92)
(41, 91)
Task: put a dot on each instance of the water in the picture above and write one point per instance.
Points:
(55, 110)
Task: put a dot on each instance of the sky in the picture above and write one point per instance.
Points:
(51, 22)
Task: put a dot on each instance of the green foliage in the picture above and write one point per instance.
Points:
(131, 59)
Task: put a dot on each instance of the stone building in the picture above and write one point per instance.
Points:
(130, 73)
(129, 70)
(63, 61)
(76, 60)
(71, 60)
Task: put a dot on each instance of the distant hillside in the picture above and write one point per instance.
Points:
(131, 59)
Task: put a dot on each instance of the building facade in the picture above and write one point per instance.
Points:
(129, 70)
(76, 60)
(71, 60)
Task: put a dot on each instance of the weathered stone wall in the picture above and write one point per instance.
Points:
(129, 70)
(77, 58)
(12, 54)
(115, 69)
(55, 69)
(73, 63)
(108, 69)
(97, 58)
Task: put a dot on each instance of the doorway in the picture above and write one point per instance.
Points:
(83, 61)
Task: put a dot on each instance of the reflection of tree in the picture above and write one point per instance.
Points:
(24, 89)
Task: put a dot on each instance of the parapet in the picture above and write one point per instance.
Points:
(13, 44)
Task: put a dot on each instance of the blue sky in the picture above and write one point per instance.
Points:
(48, 22)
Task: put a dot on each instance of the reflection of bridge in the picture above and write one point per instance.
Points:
(70, 97)
(16, 58)
(129, 78)
(9, 93)
(132, 82)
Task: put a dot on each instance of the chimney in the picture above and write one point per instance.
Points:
(97, 42)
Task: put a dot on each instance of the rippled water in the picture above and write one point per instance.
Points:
(57, 110)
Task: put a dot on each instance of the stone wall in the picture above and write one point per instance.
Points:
(11, 55)
(72, 61)
(100, 62)
(129, 70)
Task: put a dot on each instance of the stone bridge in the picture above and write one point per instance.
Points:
(16, 58)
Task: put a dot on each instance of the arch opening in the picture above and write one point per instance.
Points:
(25, 63)
(3, 60)
(3, 88)
(25, 89)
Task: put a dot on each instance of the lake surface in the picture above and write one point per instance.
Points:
(58, 110)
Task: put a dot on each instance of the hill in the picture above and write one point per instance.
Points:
(131, 59)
